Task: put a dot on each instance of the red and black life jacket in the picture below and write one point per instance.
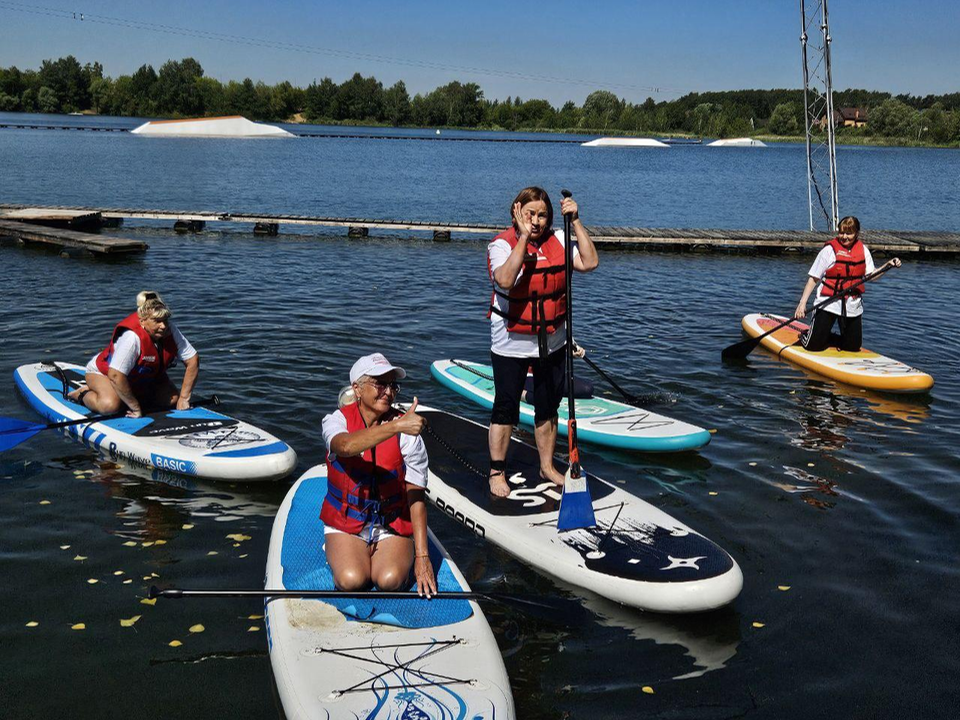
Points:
(153, 360)
(538, 302)
(370, 487)
(849, 268)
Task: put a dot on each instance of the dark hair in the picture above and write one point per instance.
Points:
(530, 194)
(849, 223)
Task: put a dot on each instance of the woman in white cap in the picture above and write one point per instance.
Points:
(131, 371)
(375, 512)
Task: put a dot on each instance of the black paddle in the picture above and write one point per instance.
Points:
(576, 505)
(554, 609)
(631, 399)
(740, 350)
(13, 431)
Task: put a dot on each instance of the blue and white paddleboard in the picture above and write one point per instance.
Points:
(599, 420)
(376, 660)
(197, 442)
(636, 554)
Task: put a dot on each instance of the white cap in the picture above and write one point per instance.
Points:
(374, 365)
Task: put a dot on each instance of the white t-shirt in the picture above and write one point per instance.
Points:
(826, 259)
(412, 449)
(513, 344)
(127, 349)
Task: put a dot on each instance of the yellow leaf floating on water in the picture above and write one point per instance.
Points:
(118, 572)
(809, 464)
(64, 547)
(239, 537)
(130, 543)
(253, 628)
(92, 581)
(254, 617)
(242, 556)
(154, 575)
(80, 557)
(148, 601)
(78, 626)
(753, 464)
(198, 628)
(147, 577)
(44, 502)
(127, 581)
(160, 542)
(129, 622)
(187, 526)
(174, 643)
(647, 689)
(148, 543)
(32, 623)
(758, 624)
(236, 544)
(713, 492)
(213, 552)
(783, 588)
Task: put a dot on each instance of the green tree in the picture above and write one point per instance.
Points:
(212, 96)
(142, 100)
(358, 98)
(241, 98)
(100, 89)
(702, 119)
(894, 118)
(66, 79)
(318, 98)
(785, 119)
(28, 100)
(396, 104)
(601, 109)
(177, 90)
(47, 100)
(8, 103)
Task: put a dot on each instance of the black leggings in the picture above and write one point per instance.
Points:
(820, 336)
(509, 376)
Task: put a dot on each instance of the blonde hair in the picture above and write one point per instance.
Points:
(150, 306)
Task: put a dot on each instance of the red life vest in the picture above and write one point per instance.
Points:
(850, 267)
(538, 303)
(369, 487)
(153, 360)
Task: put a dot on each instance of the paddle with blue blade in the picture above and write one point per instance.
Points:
(13, 431)
(576, 505)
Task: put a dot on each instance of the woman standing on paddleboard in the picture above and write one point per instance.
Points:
(132, 370)
(375, 512)
(843, 265)
(526, 265)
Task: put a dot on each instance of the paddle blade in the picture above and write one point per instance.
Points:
(740, 350)
(576, 505)
(13, 432)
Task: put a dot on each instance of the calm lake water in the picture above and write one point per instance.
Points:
(847, 498)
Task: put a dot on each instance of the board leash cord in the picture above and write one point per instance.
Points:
(391, 667)
(472, 369)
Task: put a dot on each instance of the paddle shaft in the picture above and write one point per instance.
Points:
(632, 399)
(571, 406)
(745, 347)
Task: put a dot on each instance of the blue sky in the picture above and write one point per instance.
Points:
(559, 50)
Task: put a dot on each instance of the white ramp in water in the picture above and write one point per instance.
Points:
(737, 142)
(624, 142)
(220, 127)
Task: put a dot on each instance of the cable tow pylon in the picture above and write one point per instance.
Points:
(818, 115)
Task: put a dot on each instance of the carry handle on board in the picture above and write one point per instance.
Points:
(738, 351)
(576, 505)
(13, 431)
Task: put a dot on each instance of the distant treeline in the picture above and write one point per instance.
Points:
(180, 89)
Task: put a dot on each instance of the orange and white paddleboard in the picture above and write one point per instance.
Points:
(865, 369)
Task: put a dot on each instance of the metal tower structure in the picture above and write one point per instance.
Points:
(818, 116)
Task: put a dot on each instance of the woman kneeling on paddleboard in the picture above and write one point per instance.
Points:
(132, 370)
(375, 513)
(843, 264)
(527, 267)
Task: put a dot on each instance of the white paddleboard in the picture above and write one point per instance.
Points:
(197, 442)
(376, 660)
(636, 555)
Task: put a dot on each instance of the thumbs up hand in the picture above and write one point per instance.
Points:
(410, 423)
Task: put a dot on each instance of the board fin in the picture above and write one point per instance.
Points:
(576, 505)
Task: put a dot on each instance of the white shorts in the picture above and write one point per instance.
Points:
(92, 366)
(371, 532)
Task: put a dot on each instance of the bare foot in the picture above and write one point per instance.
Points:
(498, 483)
(74, 394)
(552, 475)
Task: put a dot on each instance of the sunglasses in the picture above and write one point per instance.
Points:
(382, 387)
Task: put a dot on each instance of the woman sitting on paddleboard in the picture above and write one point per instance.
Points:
(375, 512)
(841, 264)
(526, 264)
(132, 370)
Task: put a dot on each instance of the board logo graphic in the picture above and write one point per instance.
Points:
(175, 464)
(220, 438)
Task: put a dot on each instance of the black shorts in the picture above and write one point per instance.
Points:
(820, 336)
(509, 376)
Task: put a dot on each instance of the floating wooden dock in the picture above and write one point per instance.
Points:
(62, 238)
(884, 242)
